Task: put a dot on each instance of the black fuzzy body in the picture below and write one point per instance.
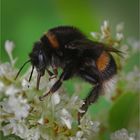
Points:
(68, 48)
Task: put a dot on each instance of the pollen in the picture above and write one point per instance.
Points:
(53, 39)
(102, 61)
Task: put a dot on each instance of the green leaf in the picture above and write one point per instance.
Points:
(124, 111)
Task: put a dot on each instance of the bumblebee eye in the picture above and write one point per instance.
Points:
(41, 63)
(40, 57)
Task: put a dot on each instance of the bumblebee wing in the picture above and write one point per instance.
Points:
(83, 44)
(85, 48)
(86, 44)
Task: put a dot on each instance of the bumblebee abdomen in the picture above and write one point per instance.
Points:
(106, 65)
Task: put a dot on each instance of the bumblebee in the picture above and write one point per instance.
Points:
(66, 47)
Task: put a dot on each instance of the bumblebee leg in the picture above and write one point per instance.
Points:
(50, 73)
(55, 71)
(90, 99)
(64, 76)
(92, 76)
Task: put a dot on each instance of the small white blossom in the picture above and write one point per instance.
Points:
(120, 27)
(79, 136)
(75, 103)
(7, 71)
(119, 36)
(16, 105)
(7, 129)
(55, 98)
(1, 86)
(11, 90)
(66, 118)
(134, 44)
(25, 84)
(33, 134)
(41, 121)
(9, 46)
(21, 130)
(133, 79)
(105, 30)
(88, 126)
(14, 127)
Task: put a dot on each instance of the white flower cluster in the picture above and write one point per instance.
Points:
(122, 135)
(133, 79)
(106, 36)
(24, 115)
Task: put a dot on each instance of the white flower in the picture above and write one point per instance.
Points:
(119, 36)
(7, 71)
(41, 120)
(14, 127)
(89, 127)
(79, 136)
(122, 135)
(33, 134)
(135, 45)
(74, 102)
(25, 84)
(120, 27)
(66, 118)
(21, 130)
(105, 24)
(9, 46)
(11, 90)
(7, 129)
(17, 106)
(105, 30)
(2, 87)
(133, 79)
(55, 98)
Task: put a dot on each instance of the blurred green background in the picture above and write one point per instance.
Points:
(24, 21)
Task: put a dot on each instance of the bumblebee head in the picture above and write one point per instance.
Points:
(38, 58)
(38, 61)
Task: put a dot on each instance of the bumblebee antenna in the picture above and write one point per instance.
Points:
(31, 73)
(22, 68)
